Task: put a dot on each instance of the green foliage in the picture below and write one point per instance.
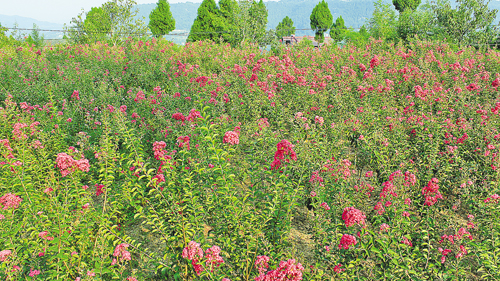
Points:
(383, 22)
(285, 28)
(229, 10)
(209, 24)
(113, 22)
(161, 21)
(420, 23)
(252, 22)
(405, 5)
(337, 29)
(97, 25)
(469, 23)
(321, 20)
(35, 38)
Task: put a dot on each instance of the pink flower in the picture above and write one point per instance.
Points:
(346, 241)
(98, 189)
(183, 141)
(431, 192)
(34, 273)
(192, 251)
(213, 258)
(286, 271)
(369, 174)
(231, 137)
(353, 216)
(10, 200)
(261, 264)
(384, 227)
(319, 120)
(406, 241)
(338, 269)
(5, 254)
(75, 95)
(325, 205)
(130, 278)
(178, 116)
(90, 273)
(121, 251)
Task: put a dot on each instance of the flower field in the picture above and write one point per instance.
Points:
(153, 161)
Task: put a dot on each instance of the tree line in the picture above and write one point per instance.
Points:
(237, 21)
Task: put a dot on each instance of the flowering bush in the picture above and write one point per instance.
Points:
(379, 162)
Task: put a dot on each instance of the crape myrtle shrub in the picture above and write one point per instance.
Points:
(204, 162)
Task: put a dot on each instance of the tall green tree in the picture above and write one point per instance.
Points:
(209, 24)
(404, 5)
(228, 10)
(161, 21)
(337, 29)
(285, 28)
(321, 20)
(469, 23)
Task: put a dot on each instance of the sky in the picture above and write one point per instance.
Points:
(57, 11)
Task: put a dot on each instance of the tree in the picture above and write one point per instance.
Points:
(228, 10)
(469, 23)
(420, 22)
(337, 29)
(35, 38)
(115, 18)
(285, 28)
(321, 20)
(161, 21)
(404, 5)
(251, 22)
(383, 22)
(97, 25)
(208, 24)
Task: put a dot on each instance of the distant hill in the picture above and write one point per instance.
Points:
(23, 22)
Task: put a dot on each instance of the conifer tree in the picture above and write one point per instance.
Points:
(161, 21)
(228, 10)
(337, 29)
(404, 5)
(208, 24)
(321, 20)
(285, 28)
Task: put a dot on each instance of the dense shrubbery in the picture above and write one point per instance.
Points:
(207, 162)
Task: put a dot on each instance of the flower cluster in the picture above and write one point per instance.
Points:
(183, 141)
(286, 271)
(231, 137)
(10, 200)
(121, 252)
(194, 253)
(352, 216)
(5, 254)
(346, 241)
(67, 164)
(406, 241)
(431, 192)
(284, 148)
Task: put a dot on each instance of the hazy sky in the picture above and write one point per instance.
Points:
(57, 11)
